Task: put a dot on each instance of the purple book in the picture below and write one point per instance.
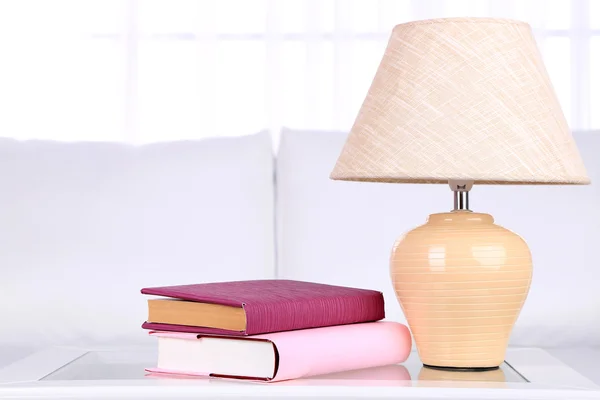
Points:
(276, 305)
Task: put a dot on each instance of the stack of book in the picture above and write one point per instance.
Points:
(271, 330)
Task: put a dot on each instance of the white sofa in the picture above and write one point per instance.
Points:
(84, 226)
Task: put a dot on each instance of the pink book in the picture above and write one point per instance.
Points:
(285, 355)
(266, 306)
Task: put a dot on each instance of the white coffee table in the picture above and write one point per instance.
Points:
(94, 373)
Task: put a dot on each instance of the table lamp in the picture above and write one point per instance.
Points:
(461, 101)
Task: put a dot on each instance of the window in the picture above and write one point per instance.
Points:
(152, 70)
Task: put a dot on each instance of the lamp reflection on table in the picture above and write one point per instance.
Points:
(427, 374)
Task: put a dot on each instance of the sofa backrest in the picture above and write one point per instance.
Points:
(343, 232)
(84, 226)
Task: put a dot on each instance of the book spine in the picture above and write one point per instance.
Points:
(340, 348)
(313, 313)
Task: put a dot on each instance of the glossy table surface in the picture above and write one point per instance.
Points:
(78, 372)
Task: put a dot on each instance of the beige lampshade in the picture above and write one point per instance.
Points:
(461, 98)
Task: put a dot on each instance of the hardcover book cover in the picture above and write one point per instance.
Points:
(275, 305)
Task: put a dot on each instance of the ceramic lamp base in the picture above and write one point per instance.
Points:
(461, 281)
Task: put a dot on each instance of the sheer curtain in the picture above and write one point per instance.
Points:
(152, 70)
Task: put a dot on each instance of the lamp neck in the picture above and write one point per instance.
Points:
(461, 190)
(461, 201)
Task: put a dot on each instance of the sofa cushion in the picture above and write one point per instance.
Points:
(84, 226)
(343, 232)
